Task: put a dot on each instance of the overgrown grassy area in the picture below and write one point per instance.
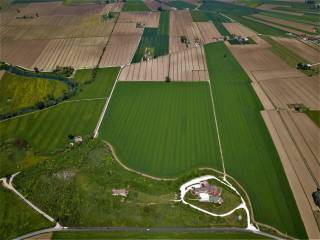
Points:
(17, 92)
(100, 87)
(134, 6)
(48, 129)
(181, 5)
(314, 115)
(290, 57)
(81, 181)
(249, 153)
(155, 40)
(152, 235)
(17, 218)
(16, 155)
(162, 129)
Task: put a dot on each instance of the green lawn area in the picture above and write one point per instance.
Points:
(16, 218)
(162, 129)
(134, 6)
(249, 153)
(156, 39)
(17, 92)
(152, 235)
(314, 115)
(181, 5)
(199, 16)
(48, 129)
(81, 181)
(100, 87)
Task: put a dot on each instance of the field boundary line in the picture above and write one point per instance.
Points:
(217, 128)
(96, 130)
(53, 106)
(132, 170)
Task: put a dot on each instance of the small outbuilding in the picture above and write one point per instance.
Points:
(120, 192)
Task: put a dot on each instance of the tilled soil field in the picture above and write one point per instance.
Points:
(181, 25)
(295, 25)
(209, 32)
(187, 65)
(275, 26)
(148, 19)
(281, 83)
(300, 48)
(76, 52)
(296, 138)
(22, 52)
(155, 5)
(122, 45)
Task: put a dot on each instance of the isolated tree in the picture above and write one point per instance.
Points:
(168, 79)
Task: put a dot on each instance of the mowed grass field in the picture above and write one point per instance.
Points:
(17, 92)
(162, 129)
(155, 38)
(181, 5)
(16, 218)
(48, 129)
(100, 87)
(249, 153)
(134, 6)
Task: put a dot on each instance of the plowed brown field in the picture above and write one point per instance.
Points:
(296, 138)
(148, 19)
(187, 65)
(300, 48)
(76, 52)
(122, 45)
(209, 32)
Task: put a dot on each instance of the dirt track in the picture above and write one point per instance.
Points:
(296, 138)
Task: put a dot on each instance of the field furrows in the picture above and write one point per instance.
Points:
(147, 19)
(181, 25)
(76, 52)
(296, 138)
(281, 83)
(300, 48)
(22, 52)
(291, 24)
(275, 26)
(209, 32)
(187, 65)
(155, 5)
(122, 45)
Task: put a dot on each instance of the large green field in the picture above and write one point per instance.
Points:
(48, 129)
(134, 6)
(17, 92)
(152, 235)
(156, 39)
(162, 129)
(16, 218)
(249, 153)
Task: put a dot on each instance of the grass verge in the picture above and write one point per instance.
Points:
(16, 218)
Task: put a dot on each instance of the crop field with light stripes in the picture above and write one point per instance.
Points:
(48, 129)
(249, 153)
(162, 129)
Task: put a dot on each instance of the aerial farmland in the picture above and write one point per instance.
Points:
(159, 119)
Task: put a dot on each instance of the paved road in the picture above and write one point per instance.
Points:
(144, 230)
